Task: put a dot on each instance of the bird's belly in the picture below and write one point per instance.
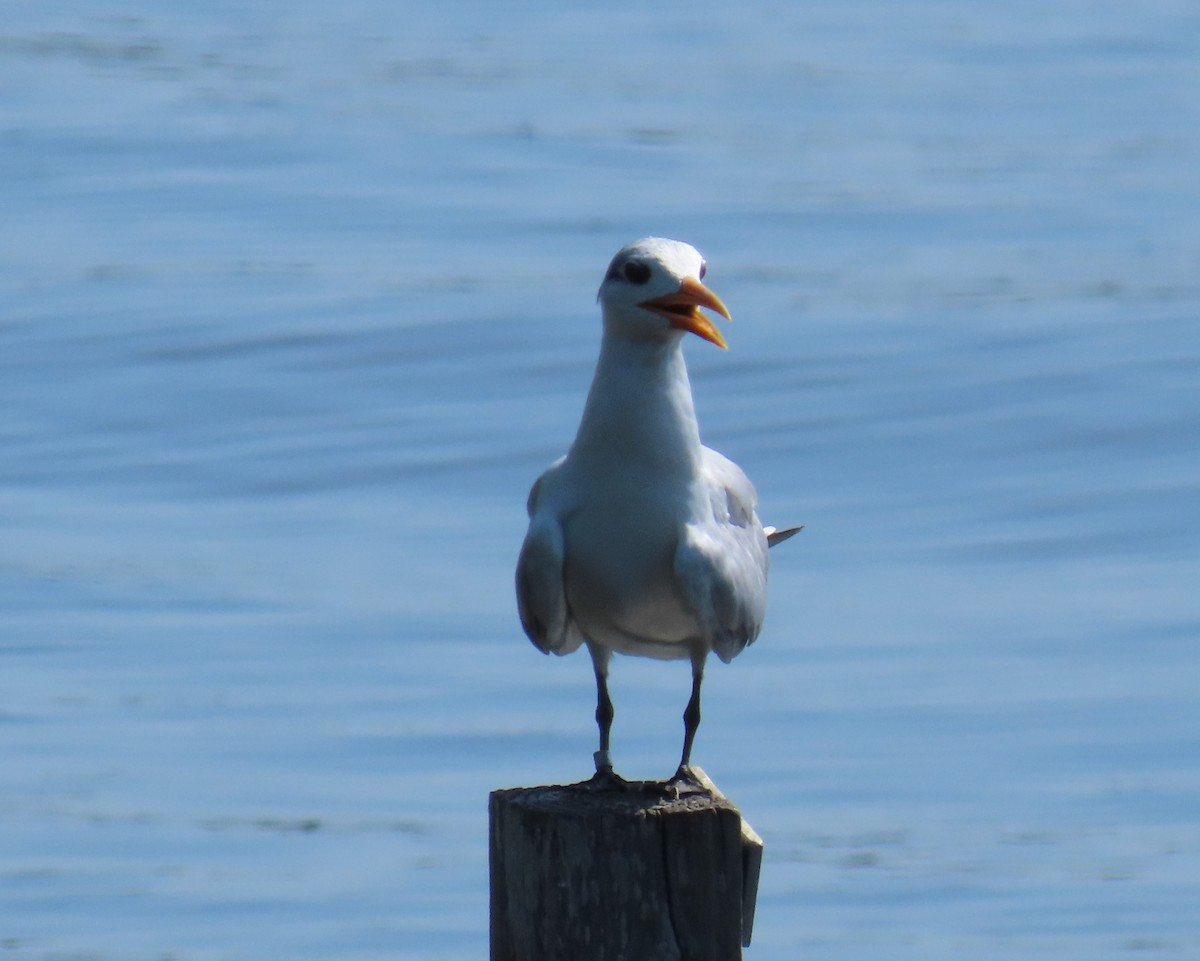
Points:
(621, 588)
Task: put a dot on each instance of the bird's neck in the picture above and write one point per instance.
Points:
(641, 403)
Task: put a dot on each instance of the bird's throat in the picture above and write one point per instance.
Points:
(640, 405)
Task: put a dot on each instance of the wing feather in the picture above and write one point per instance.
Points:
(721, 560)
(541, 593)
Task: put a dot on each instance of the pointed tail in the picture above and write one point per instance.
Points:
(778, 537)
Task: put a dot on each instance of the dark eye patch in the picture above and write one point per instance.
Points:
(636, 272)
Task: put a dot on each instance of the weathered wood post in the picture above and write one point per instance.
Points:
(640, 873)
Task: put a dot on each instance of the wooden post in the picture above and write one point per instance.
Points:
(586, 874)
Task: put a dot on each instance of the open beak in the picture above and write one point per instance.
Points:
(682, 309)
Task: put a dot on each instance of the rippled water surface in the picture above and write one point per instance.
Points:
(296, 301)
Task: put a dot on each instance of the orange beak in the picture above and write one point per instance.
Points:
(682, 310)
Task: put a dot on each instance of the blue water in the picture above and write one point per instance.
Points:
(296, 301)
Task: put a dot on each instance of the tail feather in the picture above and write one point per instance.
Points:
(778, 537)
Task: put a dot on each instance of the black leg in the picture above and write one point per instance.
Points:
(691, 717)
(604, 708)
(691, 721)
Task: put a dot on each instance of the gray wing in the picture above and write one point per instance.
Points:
(541, 595)
(721, 560)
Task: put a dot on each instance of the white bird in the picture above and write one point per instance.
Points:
(641, 540)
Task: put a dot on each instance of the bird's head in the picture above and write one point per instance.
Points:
(653, 289)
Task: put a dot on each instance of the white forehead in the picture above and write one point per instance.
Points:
(678, 258)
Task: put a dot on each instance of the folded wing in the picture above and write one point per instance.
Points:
(541, 595)
(721, 560)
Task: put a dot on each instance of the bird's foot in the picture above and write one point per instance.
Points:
(686, 781)
(605, 777)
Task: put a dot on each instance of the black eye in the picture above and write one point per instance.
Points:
(703, 269)
(636, 272)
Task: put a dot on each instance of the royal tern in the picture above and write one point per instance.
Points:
(642, 540)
